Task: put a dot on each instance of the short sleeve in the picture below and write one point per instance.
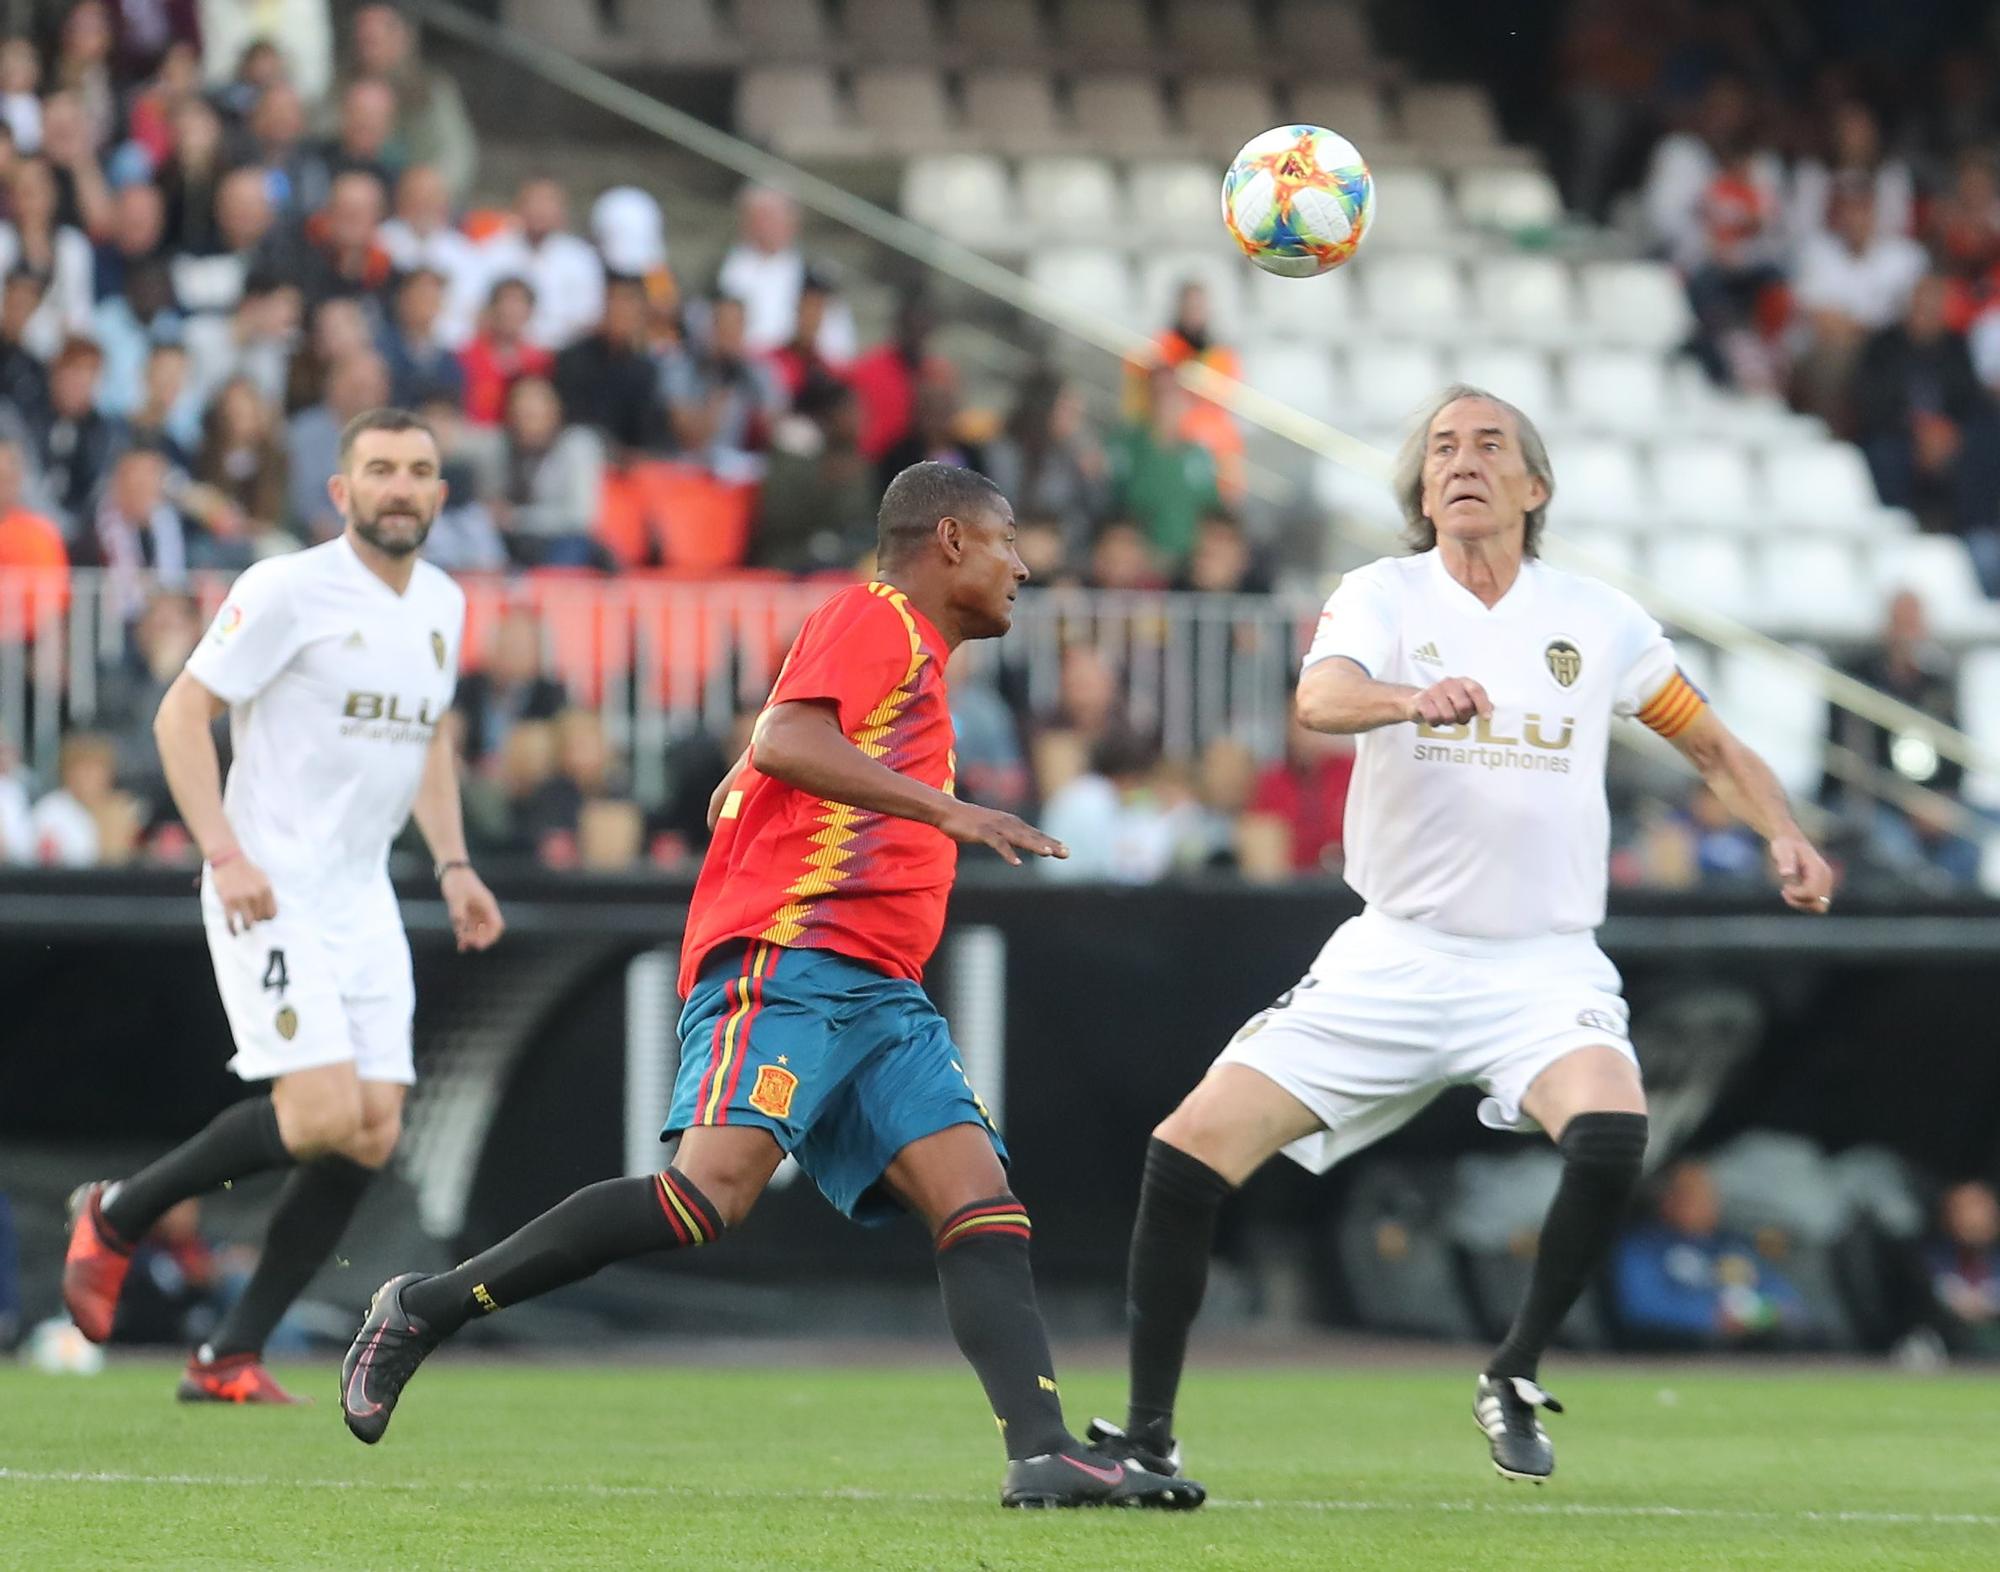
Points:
(1651, 686)
(253, 637)
(853, 652)
(1359, 624)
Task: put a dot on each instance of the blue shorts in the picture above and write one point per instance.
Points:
(843, 1065)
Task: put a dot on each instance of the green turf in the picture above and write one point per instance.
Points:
(501, 1467)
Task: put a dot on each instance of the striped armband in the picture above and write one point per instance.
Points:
(1673, 709)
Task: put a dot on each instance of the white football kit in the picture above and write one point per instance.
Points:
(335, 685)
(1482, 851)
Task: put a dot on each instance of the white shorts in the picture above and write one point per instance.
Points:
(299, 994)
(1393, 1012)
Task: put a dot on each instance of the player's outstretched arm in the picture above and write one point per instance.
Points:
(1749, 790)
(1336, 696)
(181, 730)
(475, 915)
(801, 744)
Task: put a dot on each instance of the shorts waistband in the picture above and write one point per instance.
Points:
(1472, 945)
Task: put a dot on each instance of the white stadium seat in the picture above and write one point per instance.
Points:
(667, 30)
(1812, 586)
(1822, 486)
(999, 32)
(1410, 210)
(1615, 390)
(1300, 374)
(1641, 305)
(1778, 712)
(1218, 33)
(1705, 486)
(1322, 309)
(1224, 112)
(1106, 32)
(889, 29)
(1067, 196)
(1514, 201)
(1520, 376)
(771, 29)
(1124, 114)
(1354, 109)
(1939, 569)
(1527, 299)
(1331, 35)
(965, 197)
(1600, 480)
(1014, 112)
(794, 109)
(904, 108)
(1090, 279)
(1597, 550)
(1979, 713)
(1449, 117)
(1419, 296)
(1709, 571)
(1163, 272)
(1172, 200)
(1389, 383)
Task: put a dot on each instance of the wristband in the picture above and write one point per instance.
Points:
(439, 870)
(229, 856)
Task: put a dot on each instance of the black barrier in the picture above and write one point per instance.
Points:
(1872, 1025)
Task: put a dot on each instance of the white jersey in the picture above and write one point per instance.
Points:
(1497, 829)
(335, 684)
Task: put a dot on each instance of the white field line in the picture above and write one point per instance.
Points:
(28, 1476)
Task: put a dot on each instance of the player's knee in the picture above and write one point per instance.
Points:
(313, 1127)
(375, 1142)
(1608, 1147)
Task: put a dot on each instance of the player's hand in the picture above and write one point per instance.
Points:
(1804, 878)
(246, 895)
(475, 915)
(971, 825)
(1451, 702)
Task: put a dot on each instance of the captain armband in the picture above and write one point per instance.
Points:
(1673, 709)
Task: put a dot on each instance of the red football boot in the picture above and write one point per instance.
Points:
(233, 1378)
(94, 1270)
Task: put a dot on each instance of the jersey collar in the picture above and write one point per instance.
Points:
(1511, 604)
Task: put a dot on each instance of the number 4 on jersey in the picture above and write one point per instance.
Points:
(275, 975)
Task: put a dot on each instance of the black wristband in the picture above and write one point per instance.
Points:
(440, 869)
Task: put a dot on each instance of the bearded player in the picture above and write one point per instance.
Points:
(806, 1030)
(335, 665)
(1478, 835)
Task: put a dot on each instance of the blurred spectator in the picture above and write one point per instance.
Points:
(295, 166)
(1225, 777)
(149, 31)
(29, 542)
(720, 399)
(1086, 697)
(73, 442)
(191, 178)
(24, 379)
(631, 236)
(503, 809)
(86, 821)
(150, 119)
(583, 815)
(1853, 159)
(886, 377)
(17, 822)
(1122, 558)
(312, 440)
(1158, 477)
(1223, 561)
(256, 341)
(936, 431)
(341, 256)
(301, 29)
(339, 329)
(431, 124)
(608, 381)
(245, 241)
(816, 507)
(1044, 550)
(992, 765)
(361, 143)
(1927, 427)
(1854, 278)
(138, 532)
(1112, 818)
(69, 143)
(421, 234)
(1964, 1261)
(766, 271)
(421, 368)
(1964, 232)
(464, 537)
(162, 639)
(799, 364)
(544, 481)
(174, 1284)
(32, 240)
(20, 100)
(258, 69)
(1698, 843)
(1047, 462)
(242, 467)
(565, 270)
(501, 353)
(509, 687)
(83, 67)
(1679, 197)
(1608, 67)
(1298, 806)
(127, 327)
(1684, 1282)
(1191, 336)
(138, 234)
(169, 414)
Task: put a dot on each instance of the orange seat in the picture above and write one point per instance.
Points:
(701, 523)
(622, 524)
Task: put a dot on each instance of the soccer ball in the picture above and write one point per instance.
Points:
(1298, 200)
(56, 1346)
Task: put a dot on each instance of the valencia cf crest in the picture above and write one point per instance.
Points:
(437, 648)
(773, 1092)
(288, 1023)
(1565, 661)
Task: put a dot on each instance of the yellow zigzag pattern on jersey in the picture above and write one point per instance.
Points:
(837, 821)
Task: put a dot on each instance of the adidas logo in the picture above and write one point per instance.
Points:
(1428, 654)
(353, 641)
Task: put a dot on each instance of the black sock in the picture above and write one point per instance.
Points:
(989, 1299)
(241, 1140)
(1165, 1280)
(312, 1213)
(601, 1223)
(1602, 1157)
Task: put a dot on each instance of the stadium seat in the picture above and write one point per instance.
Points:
(904, 108)
(1811, 587)
(1014, 112)
(1106, 32)
(965, 197)
(1780, 1189)
(1708, 571)
(1526, 299)
(1520, 376)
(1979, 713)
(1300, 374)
(1171, 201)
(1615, 390)
(1323, 38)
(1000, 32)
(1388, 383)
(1705, 486)
(1939, 569)
(1162, 273)
(1410, 210)
(1495, 1219)
(676, 32)
(774, 30)
(1321, 309)
(1124, 114)
(1354, 109)
(794, 109)
(898, 30)
(1596, 551)
(1224, 112)
(1822, 486)
(1600, 479)
(1395, 1258)
(577, 30)
(1088, 278)
(1448, 119)
(1222, 34)
(1416, 296)
(1511, 201)
(1063, 197)
(1637, 305)
(1779, 713)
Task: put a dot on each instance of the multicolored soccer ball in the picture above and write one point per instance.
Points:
(1298, 200)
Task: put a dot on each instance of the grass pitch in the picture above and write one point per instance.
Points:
(506, 1466)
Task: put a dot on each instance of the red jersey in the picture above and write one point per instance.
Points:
(794, 870)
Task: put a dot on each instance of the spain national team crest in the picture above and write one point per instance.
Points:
(1565, 661)
(773, 1092)
(288, 1023)
(437, 648)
